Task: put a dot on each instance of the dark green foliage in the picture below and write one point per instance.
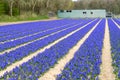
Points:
(2, 8)
(6, 8)
(15, 11)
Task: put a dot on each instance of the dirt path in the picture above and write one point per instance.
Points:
(116, 24)
(27, 43)
(26, 59)
(53, 72)
(106, 67)
(19, 22)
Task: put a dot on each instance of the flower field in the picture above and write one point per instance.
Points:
(115, 43)
(28, 51)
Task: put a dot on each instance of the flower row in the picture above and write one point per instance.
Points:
(115, 46)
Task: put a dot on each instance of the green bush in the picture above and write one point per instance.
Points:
(15, 11)
(2, 8)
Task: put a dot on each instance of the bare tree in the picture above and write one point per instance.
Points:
(39, 6)
(10, 3)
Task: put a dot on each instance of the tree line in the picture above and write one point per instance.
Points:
(110, 5)
(35, 6)
(42, 7)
